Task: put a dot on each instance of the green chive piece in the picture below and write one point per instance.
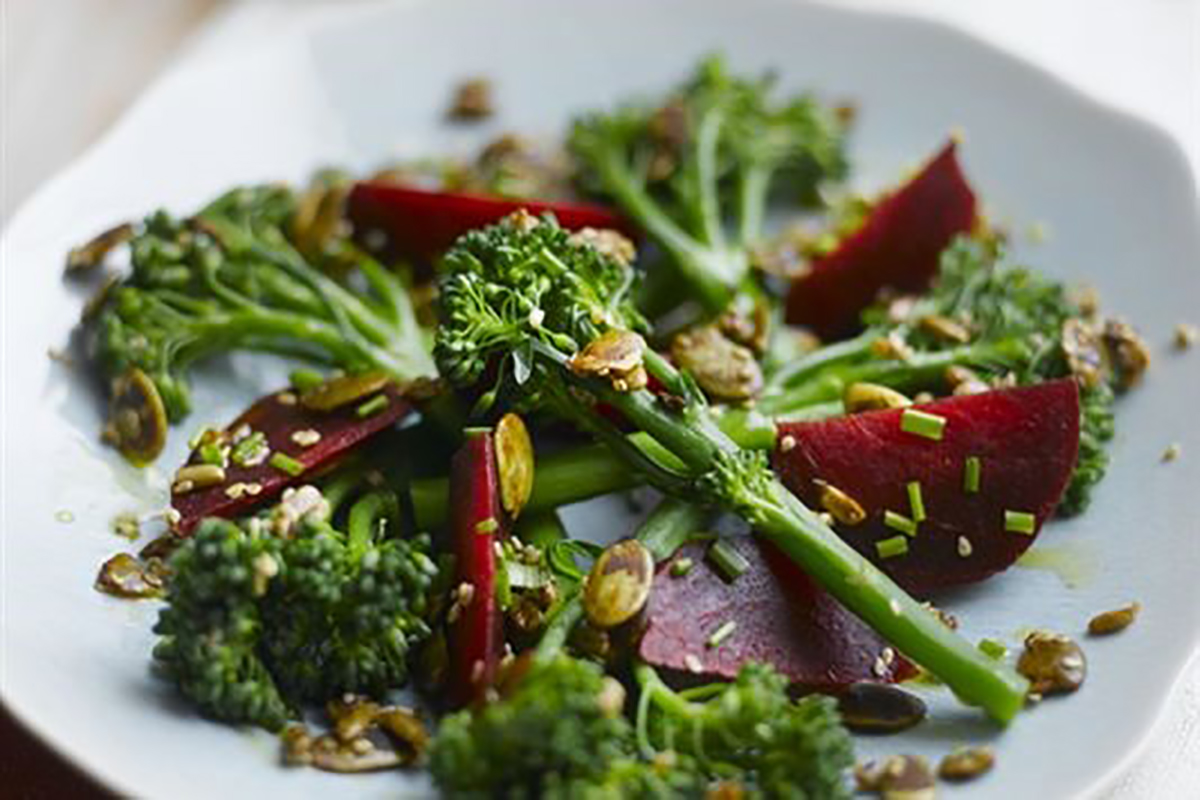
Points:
(250, 449)
(1019, 522)
(285, 463)
(993, 649)
(899, 522)
(729, 561)
(922, 423)
(211, 453)
(489, 525)
(373, 406)
(721, 634)
(971, 474)
(681, 567)
(915, 502)
(304, 380)
(890, 548)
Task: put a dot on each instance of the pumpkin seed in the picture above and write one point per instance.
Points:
(343, 390)
(1113, 621)
(844, 508)
(1082, 347)
(615, 355)
(944, 328)
(607, 242)
(724, 369)
(1127, 353)
(872, 397)
(899, 777)
(514, 463)
(966, 763)
(619, 584)
(879, 708)
(137, 419)
(127, 577)
(1053, 663)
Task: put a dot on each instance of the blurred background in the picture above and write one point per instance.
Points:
(71, 67)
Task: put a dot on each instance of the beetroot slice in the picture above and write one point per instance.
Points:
(340, 431)
(898, 246)
(421, 224)
(476, 631)
(782, 618)
(1026, 439)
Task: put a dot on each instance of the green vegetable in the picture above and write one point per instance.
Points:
(561, 724)
(493, 278)
(695, 171)
(750, 732)
(257, 623)
(1017, 320)
(230, 278)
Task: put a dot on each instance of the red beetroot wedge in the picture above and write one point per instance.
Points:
(280, 418)
(898, 246)
(421, 224)
(1025, 441)
(780, 616)
(477, 517)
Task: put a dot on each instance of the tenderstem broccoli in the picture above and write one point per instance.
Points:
(695, 171)
(270, 613)
(524, 290)
(231, 278)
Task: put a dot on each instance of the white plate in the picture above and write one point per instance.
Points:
(356, 85)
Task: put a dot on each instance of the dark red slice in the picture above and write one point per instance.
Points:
(898, 246)
(340, 431)
(422, 224)
(781, 617)
(477, 520)
(1026, 439)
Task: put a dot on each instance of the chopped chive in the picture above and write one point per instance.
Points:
(721, 634)
(304, 380)
(728, 560)
(489, 525)
(373, 406)
(922, 423)
(993, 649)
(211, 453)
(248, 451)
(890, 548)
(915, 502)
(285, 463)
(899, 522)
(681, 567)
(1019, 522)
(971, 473)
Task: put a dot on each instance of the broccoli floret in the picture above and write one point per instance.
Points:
(230, 278)
(750, 732)
(258, 621)
(561, 724)
(696, 170)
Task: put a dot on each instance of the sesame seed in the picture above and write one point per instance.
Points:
(964, 547)
(286, 398)
(888, 655)
(692, 663)
(787, 443)
(880, 668)
(235, 490)
(254, 488)
(182, 487)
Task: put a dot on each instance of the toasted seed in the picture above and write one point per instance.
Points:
(137, 419)
(1171, 452)
(747, 322)
(1185, 336)
(127, 577)
(844, 508)
(612, 244)
(1085, 358)
(343, 390)
(200, 475)
(514, 463)
(472, 100)
(879, 708)
(892, 347)
(966, 763)
(1114, 621)
(944, 328)
(619, 584)
(963, 381)
(871, 397)
(307, 437)
(724, 369)
(1053, 663)
(1127, 353)
(615, 355)
(897, 778)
